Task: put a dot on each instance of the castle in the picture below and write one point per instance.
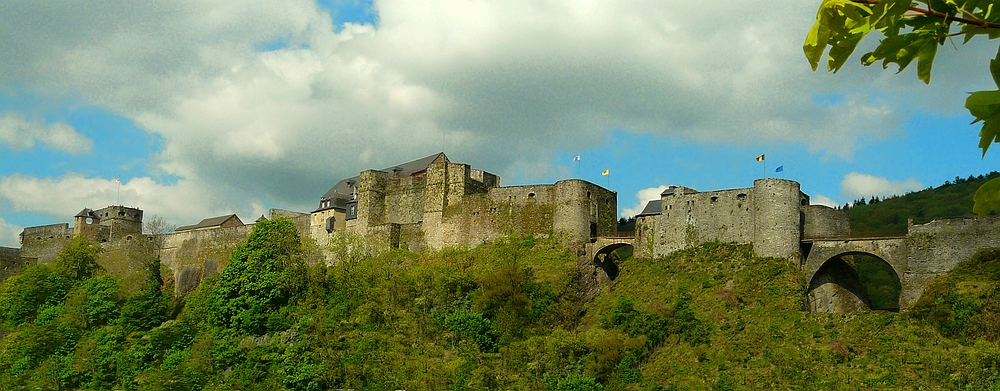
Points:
(432, 203)
(773, 215)
(427, 203)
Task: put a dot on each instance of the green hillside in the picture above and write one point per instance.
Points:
(502, 316)
(888, 217)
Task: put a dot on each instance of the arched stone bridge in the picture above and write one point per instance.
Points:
(925, 252)
(600, 247)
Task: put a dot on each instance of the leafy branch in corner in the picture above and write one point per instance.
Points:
(913, 30)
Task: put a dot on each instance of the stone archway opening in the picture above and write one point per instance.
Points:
(609, 257)
(854, 281)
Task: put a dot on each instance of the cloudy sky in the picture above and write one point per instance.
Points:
(208, 107)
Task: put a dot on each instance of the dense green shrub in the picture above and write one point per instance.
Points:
(263, 274)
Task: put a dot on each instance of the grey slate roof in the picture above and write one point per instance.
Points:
(652, 208)
(340, 193)
(210, 222)
(87, 212)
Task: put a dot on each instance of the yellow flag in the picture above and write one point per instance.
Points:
(606, 172)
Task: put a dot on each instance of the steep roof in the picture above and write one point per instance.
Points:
(343, 189)
(86, 212)
(210, 223)
(652, 208)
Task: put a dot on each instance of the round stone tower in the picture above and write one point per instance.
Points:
(777, 228)
(572, 210)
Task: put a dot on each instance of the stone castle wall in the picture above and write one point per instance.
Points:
(194, 255)
(44, 243)
(11, 262)
(825, 222)
(778, 219)
(938, 246)
(773, 215)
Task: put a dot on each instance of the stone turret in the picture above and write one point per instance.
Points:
(777, 227)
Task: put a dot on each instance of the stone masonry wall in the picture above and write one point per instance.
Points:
(194, 255)
(938, 246)
(693, 218)
(404, 204)
(44, 243)
(825, 222)
(777, 218)
(11, 262)
(645, 235)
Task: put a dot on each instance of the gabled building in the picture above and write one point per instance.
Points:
(227, 221)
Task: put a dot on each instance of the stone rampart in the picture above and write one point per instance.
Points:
(194, 255)
(938, 246)
(44, 243)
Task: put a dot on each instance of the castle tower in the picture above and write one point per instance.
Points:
(87, 224)
(435, 200)
(777, 228)
(121, 222)
(372, 185)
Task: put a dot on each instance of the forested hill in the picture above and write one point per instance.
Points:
(888, 216)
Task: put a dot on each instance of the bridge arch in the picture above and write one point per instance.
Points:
(606, 258)
(854, 280)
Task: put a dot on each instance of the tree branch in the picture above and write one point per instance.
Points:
(947, 17)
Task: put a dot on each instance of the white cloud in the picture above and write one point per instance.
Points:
(19, 134)
(643, 197)
(496, 84)
(857, 185)
(9, 234)
(185, 202)
(820, 199)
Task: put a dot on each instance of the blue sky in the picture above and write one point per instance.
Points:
(213, 107)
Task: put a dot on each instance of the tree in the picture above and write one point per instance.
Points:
(913, 30)
(157, 229)
(78, 260)
(263, 275)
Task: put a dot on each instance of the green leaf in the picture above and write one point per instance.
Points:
(925, 60)
(989, 134)
(983, 104)
(815, 44)
(987, 198)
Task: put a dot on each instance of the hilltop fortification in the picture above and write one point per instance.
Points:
(432, 203)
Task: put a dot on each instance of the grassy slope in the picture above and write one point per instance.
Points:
(760, 337)
(506, 316)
